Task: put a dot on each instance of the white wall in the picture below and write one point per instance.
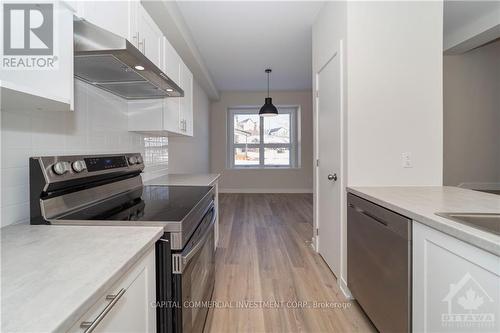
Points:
(98, 125)
(192, 154)
(392, 89)
(395, 92)
(261, 180)
(472, 116)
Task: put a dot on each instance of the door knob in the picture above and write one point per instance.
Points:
(332, 177)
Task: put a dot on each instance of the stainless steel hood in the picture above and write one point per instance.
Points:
(109, 62)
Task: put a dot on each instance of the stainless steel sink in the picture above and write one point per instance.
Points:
(483, 221)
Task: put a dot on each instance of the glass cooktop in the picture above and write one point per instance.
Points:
(158, 203)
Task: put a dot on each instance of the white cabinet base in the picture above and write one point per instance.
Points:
(456, 286)
(134, 311)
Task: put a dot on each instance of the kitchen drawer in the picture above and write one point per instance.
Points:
(128, 306)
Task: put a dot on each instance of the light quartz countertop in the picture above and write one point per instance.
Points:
(52, 275)
(198, 179)
(421, 204)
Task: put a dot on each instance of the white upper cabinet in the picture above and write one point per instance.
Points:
(172, 115)
(186, 107)
(147, 35)
(114, 16)
(129, 19)
(48, 83)
(171, 61)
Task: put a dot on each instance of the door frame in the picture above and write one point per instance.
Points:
(339, 51)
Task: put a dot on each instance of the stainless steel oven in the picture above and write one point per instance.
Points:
(108, 190)
(193, 271)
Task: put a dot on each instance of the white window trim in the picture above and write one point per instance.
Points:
(293, 146)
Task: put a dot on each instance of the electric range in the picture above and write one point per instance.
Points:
(108, 190)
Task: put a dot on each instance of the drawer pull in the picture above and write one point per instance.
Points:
(89, 326)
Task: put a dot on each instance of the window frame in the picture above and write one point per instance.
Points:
(293, 146)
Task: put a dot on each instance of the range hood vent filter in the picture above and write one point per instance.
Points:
(108, 61)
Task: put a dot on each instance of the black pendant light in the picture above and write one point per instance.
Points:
(268, 109)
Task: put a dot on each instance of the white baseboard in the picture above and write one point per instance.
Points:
(344, 289)
(265, 190)
(314, 243)
(481, 186)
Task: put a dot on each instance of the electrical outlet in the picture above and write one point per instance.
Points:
(406, 160)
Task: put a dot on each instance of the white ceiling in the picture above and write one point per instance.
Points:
(238, 40)
(460, 13)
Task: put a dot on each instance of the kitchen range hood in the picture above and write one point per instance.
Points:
(112, 63)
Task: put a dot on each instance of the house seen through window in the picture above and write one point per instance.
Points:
(262, 142)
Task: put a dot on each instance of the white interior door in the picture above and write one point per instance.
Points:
(328, 102)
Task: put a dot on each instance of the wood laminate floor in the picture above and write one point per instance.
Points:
(264, 255)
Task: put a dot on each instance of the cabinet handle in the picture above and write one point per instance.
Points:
(137, 40)
(89, 326)
(144, 45)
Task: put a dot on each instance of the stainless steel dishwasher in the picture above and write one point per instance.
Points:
(379, 263)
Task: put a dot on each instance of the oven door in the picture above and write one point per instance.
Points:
(194, 285)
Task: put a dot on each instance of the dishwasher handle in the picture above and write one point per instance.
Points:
(393, 221)
(376, 219)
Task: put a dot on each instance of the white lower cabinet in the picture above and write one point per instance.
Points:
(128, 306)
(456, 286)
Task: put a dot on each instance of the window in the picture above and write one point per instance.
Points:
(156, 151)
(262, 142)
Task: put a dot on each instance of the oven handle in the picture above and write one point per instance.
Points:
(187, 257)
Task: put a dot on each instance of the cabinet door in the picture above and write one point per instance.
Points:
(49, 88)
(114, 16)
(171, 114)
(186, 118)
(133, 311)
(171, 61)
(149, 36)
(456, 286)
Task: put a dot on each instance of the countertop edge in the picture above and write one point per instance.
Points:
(459, 231)
(66, 324)
(164, 179)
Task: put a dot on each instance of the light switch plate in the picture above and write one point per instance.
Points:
(406, 160)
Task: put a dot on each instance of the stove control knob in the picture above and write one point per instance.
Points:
(139, 159)
(79, 166)
(60, 168)
(132, 160)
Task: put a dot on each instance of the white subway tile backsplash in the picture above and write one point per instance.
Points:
(76, 144)
(98, 125)
(15, 157)
(12, 195)
(18, 213)
(96, 142)
(16, 130)
(14, 177)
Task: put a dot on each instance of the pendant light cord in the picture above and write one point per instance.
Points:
(268, 84)
(268, 71)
